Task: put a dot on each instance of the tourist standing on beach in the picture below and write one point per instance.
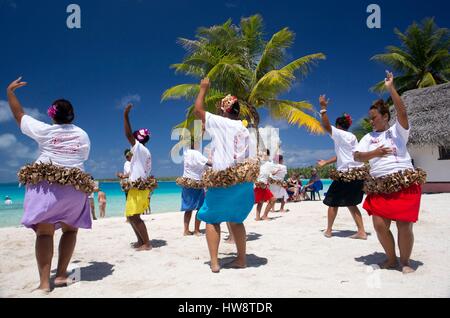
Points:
(226, 202)
(262, 191)
(138, 193)
(102, 203)
(277, 183)
(346, 190)
(193, 192)
(50, 202)
(394, 189)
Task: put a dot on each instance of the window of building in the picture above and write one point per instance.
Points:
(444, 153)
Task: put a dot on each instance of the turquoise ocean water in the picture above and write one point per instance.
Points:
(166, 198)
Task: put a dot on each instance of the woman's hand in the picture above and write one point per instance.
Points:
(16, 84)
(205, 84)
(382, 151)
(323, 100)
(128, 109)
(322, 163)
(389, 81)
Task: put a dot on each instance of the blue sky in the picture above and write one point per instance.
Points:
(124, 49)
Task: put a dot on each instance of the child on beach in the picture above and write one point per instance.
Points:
(52, 203)
(276, 181)
(193, 193)
(140, 168)
(347, 187)
(123, 176)
(262, 191)
(394, 190)
(230, 141)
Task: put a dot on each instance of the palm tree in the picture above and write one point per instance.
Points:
(422, 60)
(240, 62)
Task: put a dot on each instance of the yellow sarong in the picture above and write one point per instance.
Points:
(137, 202)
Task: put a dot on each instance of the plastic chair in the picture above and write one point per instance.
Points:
(315, 188)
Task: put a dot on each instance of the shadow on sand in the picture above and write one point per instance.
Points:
(379, 258)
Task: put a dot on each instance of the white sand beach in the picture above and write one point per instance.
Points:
(287, 257)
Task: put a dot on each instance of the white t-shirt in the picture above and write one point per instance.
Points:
(194, 164)
(141, 162)
(279, 171)
(127, 167)
(396, 137)
(344, 146)
(265, 171)
(230, 141)
(64, 145)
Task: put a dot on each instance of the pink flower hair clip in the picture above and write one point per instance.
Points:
(51, 112)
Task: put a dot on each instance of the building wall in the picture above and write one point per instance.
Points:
(426, 157)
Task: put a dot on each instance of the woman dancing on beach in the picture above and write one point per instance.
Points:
(348, 181)
(394, 190)
(52, 202)
(138, 191)
(230, 141)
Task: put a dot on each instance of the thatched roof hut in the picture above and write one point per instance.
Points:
(429, 115)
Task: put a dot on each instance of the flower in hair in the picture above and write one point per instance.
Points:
(51, 112)
(227, 102)
(348, 118)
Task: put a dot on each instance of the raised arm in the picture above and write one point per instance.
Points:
(199, 110)
(402, 115)
(322, 163)
(126, 120)
(14, 104)
(323, 106)
(366, 156)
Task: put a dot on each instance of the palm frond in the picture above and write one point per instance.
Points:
(290, 111)
(427, 80)
(186, 91)
(274, 52)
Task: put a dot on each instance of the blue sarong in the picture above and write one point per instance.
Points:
(192, 199)
(231, 204)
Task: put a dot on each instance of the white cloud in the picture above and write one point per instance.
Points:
(132, 98)
(6, 114)
(15, 153)
(306, 157)
(7, 140)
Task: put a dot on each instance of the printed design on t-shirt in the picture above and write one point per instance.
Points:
(66, 144)
(390, 137)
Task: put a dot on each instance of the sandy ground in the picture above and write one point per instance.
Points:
(287, 257)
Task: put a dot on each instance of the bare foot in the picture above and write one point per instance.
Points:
(327, 234)
(265, 218)
(407, 269)
(188, 233)
(284, 211)
(389, 265)
(198, 234)
(41, 291)
(64, 281)
(235, 264)
(258, 219)
(359, 236)
(215, 268)
(144, 247)
(136, 244)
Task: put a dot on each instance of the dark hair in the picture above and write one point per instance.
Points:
(280, 158)
(143, 141)
(268, 152)
(381, 107)
(126, 152)
(343, 122)
(235, 109)
(64, 112)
